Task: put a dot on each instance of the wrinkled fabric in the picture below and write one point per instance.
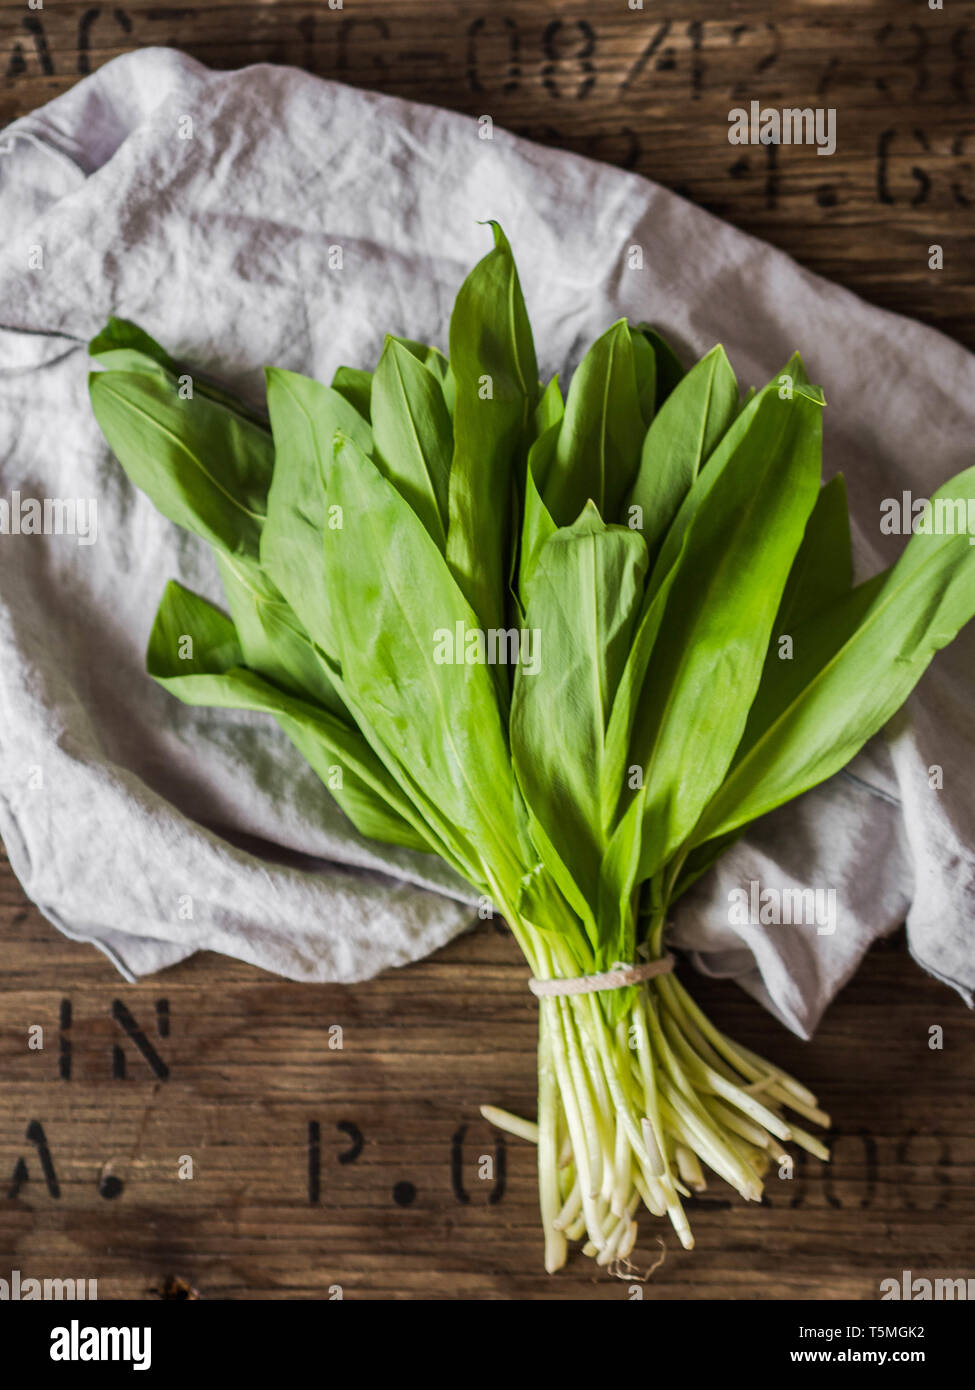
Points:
(206, 206)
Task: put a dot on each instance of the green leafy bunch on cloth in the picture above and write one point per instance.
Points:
(538, 634)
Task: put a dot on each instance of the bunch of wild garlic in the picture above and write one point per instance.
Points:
(539, 638)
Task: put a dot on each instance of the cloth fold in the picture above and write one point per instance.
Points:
(205, 206)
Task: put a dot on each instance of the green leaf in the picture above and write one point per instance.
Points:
(854, 664)
(273, 641)
(355, 386)
(821, 574)
(208, 471)
(686, 431)
(585, 598)
(413, 436)
(747, 399)
(710, 650)
(550, 409)
(492, 360)
(754, 416)
(618, 874)
(395, 605)
(537, 523)
(202, 464)
(645, 366)
(598, 448)
(124, 346)
(435, 362)
(194, 653)
(669, 370)
(822, 571)
(305, 416)
(432, 358)
(700, 861)
(627, 702)
(541, 903)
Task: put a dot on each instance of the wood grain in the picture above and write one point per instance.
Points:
(648, 89)
(250, 1068)
(249, 1064)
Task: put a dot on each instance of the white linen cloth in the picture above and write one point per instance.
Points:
(203, 205)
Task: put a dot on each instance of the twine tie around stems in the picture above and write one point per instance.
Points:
(618, 977)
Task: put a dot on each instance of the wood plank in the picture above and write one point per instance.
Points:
(649, 90)
(247, 1055)
(250, 1069)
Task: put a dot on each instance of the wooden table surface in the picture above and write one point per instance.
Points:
(367, 1169)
